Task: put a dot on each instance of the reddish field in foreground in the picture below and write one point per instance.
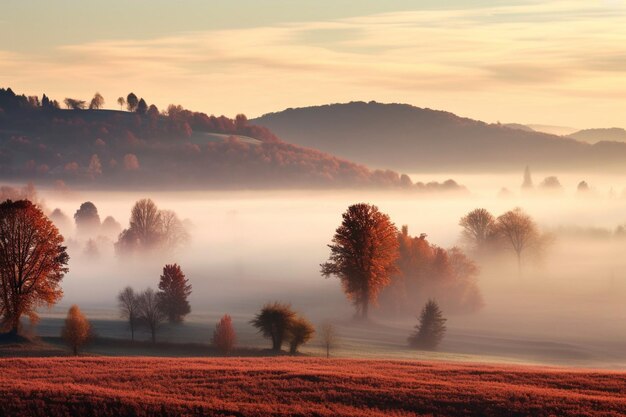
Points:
(300, 386)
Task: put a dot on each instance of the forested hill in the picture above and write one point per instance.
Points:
(142, 147)
(414, 139)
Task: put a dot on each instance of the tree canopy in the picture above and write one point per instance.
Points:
(363, 253)
(33, 262)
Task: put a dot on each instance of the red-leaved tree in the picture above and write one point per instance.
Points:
(224, 336)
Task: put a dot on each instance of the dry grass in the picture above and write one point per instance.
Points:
(300, 387)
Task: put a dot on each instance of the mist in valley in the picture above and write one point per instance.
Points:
(249, 248)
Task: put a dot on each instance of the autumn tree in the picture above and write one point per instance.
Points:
(273, 322)
(363, 254)
(430, 329)
(174, 291)
(519, 232)
(96, 102)
(33, 262)
(128, 303)
(327, 336)
(121, 101)
(77, 330)
(150, 312)
(87, 219)
(299, 332)
(479, 229)
(132, 102)
(224, 337)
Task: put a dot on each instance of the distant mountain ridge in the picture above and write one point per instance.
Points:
(613, 134)
(413, 139)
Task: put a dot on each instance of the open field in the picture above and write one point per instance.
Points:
(300, 387)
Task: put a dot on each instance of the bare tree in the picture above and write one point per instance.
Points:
(121, 101)
(519, 231)
(150, 312)
(174, 232)
(128, 303)
(96, 102)
(479, 229)
(328, 336)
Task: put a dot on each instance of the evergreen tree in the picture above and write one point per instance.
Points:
(431, 328)
(174, 290)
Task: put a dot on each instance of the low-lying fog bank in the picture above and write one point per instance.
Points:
(247, 248)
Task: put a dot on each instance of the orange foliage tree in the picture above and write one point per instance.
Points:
(224, 337)
(363, 254)
(77, 329)
(33, 262)
(426, 270)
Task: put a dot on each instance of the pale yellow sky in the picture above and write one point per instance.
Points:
(549, 62)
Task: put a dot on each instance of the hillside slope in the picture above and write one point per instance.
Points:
(173, 149)
(414, 139)
(300, 387)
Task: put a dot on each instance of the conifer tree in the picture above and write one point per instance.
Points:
(431, 328)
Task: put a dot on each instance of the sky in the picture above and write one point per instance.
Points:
(542, 62)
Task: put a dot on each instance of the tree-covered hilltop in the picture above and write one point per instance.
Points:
(140, 146)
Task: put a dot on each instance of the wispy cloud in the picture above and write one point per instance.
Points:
(558, 51)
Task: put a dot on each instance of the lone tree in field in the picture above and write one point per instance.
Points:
(174, 291)
(121, 101)
(363, 254)
(87, 219)
(33, 262)
(328, 336)
(273, 322)
(150, 313)
(96, 102)
(431, 328)
(128, 303)
(479, 229)
(77, 329)
(519, 232)
(224, 337)
(300, 331)
(131, 102)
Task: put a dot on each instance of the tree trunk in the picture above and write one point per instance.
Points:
(293, 348)
(75, 348)
(153, 336)
(364, 309)
(275, 344)
(132, 333)
(327, 351)
(519, 264)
